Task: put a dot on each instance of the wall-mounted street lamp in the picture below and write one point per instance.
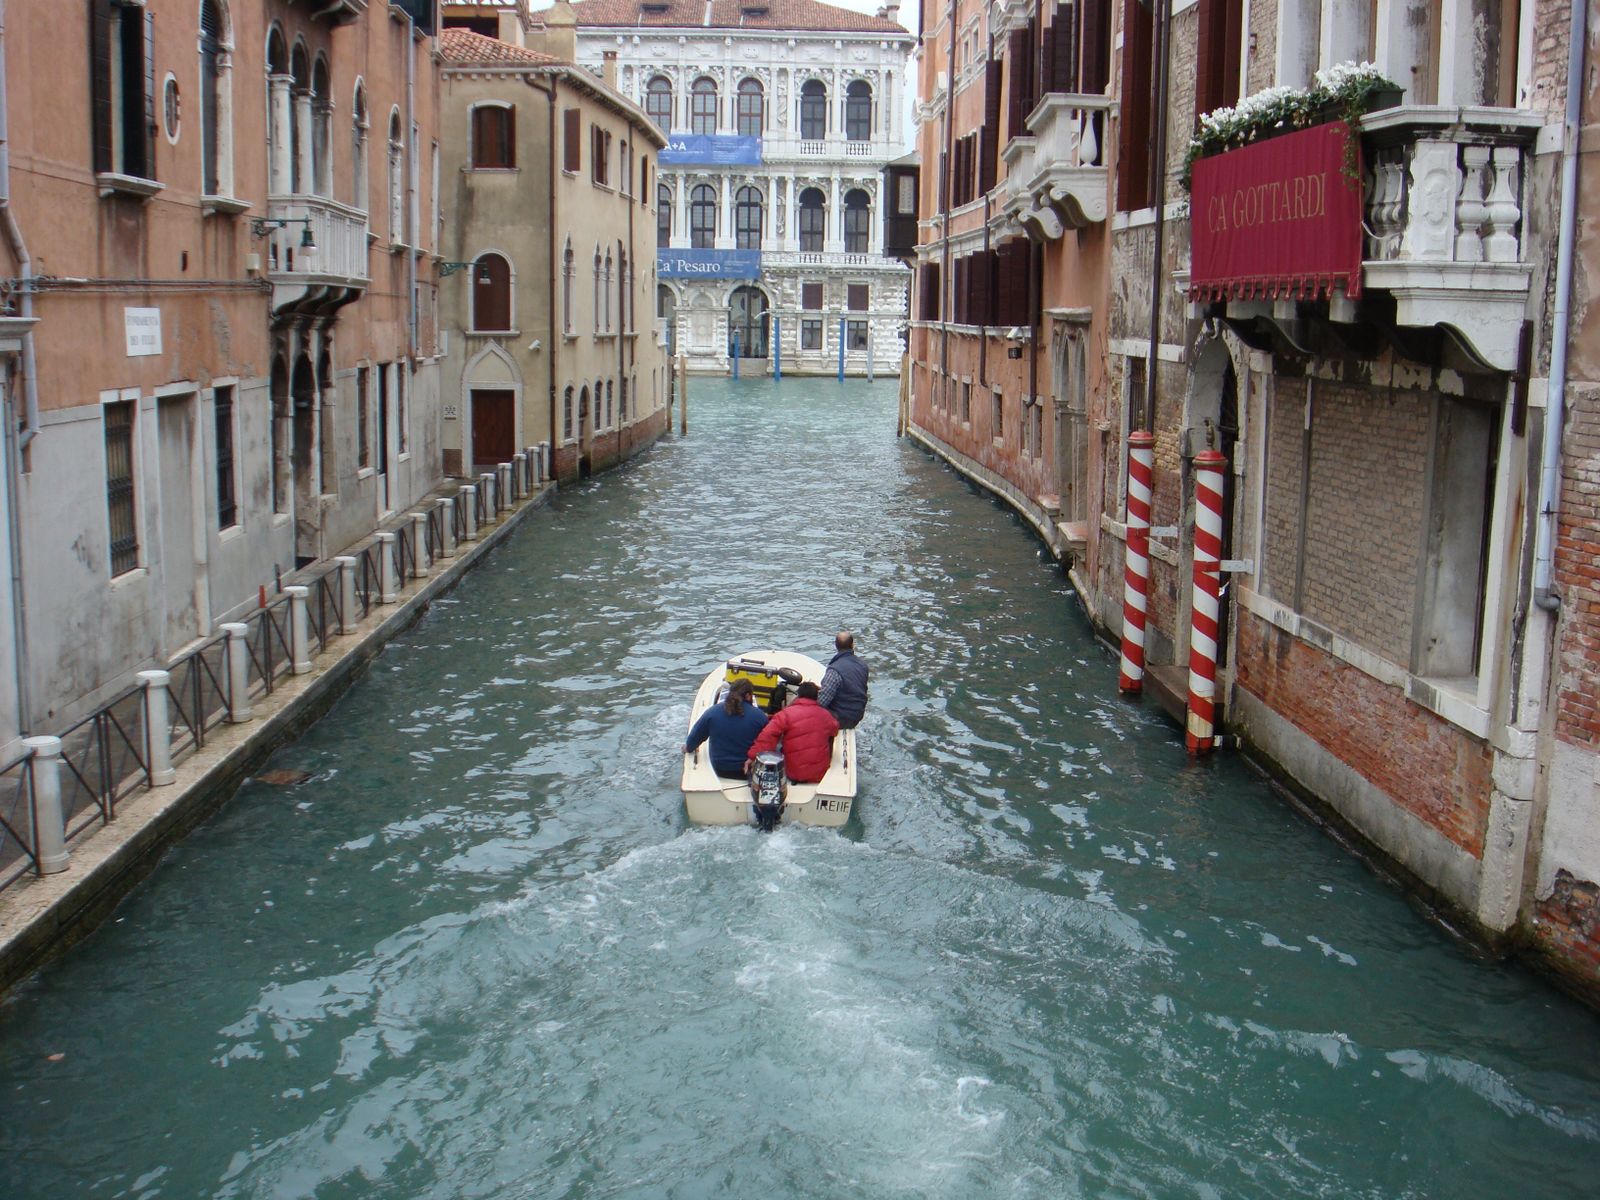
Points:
(261, 226)
(447, 269)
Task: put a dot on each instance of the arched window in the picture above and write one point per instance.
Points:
(663, 215)
(300, 165)
(622, 401)
(813, 219)
(216, 101)
(752, 108)
(702, 216)
(491, 294)
(666, 304)
(566, 414)
(599, 403)
(599, 289)
(611, 398)
(747, 213)
(857, 221)
(583, 411)
(605, 303)
(358, 146)
(624, 290)
(568, 280)
(493, 137)
(858, 111)
(813, 110)
(703, 106)
(321, 130)
(658, 101)
(397, 193)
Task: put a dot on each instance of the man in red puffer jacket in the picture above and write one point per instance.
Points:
(806, 730)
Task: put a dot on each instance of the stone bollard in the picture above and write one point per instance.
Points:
(49, 823)
(544, 462)
(421, 563)
(490, 508)
(502, 488)
(469, 513)
(519, 476)
(388, 583)
(158, 726)
(347, 592)
(447, 526)
(238, 671)
(299, 629)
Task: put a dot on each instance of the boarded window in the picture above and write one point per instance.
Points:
(571, 150)
(856, 297)
(811, 297)
(492, 145)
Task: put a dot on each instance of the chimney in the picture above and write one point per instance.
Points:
(561, 32)
(608, 69)
(891, 11)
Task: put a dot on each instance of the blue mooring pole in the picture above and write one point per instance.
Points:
(777, 347)
(841, 349)
(736, 354)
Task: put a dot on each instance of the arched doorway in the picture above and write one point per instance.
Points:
(747, 322)
(584, 430)
(302, 460)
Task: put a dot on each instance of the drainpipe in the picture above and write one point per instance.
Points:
(30, 385)
(413, 217)
(557, 329)
(1555, 405)
(946, 284)
(1163, 54)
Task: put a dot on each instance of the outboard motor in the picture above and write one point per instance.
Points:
(768, 787)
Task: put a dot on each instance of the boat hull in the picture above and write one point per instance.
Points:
(709, 799)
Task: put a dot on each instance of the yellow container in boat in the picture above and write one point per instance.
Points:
(762, 678)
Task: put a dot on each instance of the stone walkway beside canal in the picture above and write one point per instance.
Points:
(42, 914)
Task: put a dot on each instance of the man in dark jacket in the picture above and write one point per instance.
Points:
(806, 730)
(844, 683)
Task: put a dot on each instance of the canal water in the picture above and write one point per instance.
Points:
(479, 954)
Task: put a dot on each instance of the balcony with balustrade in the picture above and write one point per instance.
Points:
(316, 253)
(1056, 176)
(1444, 228)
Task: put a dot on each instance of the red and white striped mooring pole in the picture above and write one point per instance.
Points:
(1136, 574)
(1200, 735)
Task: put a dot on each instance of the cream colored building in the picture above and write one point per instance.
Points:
(550, 244)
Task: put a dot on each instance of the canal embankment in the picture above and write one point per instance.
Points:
(42, 914)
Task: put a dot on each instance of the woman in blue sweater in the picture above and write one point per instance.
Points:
(731, 726)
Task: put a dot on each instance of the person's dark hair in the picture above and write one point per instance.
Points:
(741, 691)
(807, 691)
(844, 641)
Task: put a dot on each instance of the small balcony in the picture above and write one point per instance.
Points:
(330, 272)
(1056, 174)
(1444, 227)
(337, 12)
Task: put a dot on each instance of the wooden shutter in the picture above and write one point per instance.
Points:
(1096, 45)
(989, 142)
(1064, 55)
(572, 150)
(491, 293)
(148, 142)
(1016, 60)
(102, 23)
(1134, 140)
(1217, 57)
(1047, 61)
(811, 294)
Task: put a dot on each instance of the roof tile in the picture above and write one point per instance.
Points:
(463, 48)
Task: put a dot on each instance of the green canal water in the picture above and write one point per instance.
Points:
(479, 954)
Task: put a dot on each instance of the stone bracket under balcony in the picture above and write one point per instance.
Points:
(1444, 219)
(1056, 176)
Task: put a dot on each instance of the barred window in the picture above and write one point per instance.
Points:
(119, 487)
(222, 414)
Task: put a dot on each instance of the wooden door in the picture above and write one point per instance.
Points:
(494, 426)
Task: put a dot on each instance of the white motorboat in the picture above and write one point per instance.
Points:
(709, 799)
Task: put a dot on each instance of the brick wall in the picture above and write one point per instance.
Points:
(1262, 63)
(1284, 478)
(1366, 503)
(1577, 574)
(1423, 764)
(1551, 23)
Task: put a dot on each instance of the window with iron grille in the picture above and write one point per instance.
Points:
(222, 414)
(363, 418)
(119, 487)
(998, 417)
(811, 333)
(566, 415)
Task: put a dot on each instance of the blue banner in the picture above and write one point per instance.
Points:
(708, 264)
(710, 149)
